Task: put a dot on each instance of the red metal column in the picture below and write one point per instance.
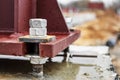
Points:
(14, 22)
(6, 15)
(23, 12)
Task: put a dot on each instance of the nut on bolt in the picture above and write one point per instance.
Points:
(38, 60)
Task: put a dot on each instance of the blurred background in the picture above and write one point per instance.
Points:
(94, 56)
(98, 20)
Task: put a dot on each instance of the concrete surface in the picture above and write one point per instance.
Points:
(77, 68)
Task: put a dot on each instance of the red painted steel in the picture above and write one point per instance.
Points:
(22, 12)
(49, 9)
(10, 48)
(6, 16)
(10, 45)
(14, 19)
(96, 5)
(15, 15)
(51, 49)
